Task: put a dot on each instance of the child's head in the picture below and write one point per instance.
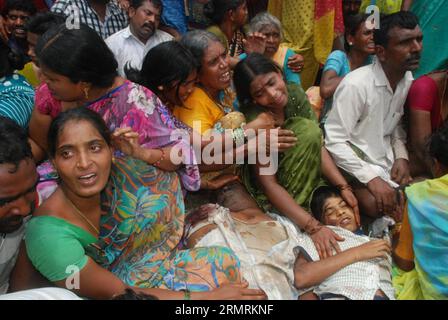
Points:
(328, 207)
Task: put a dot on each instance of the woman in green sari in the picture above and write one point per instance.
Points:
(260, 88)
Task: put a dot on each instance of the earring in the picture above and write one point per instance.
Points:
(86, 93)
(350, 43)
(160, 88)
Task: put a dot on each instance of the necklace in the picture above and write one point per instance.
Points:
(80, 214)
(221, 105)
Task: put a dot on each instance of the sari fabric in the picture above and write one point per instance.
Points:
(309, 28)
(299, 167)
(143, 230)
(428, 217)
(432, 21)
(385, 6)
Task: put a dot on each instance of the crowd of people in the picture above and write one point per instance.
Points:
(223, 149)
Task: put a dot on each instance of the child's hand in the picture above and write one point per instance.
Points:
(373, 249)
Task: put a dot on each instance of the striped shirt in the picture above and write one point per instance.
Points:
(16, 99)
(357, 281)
(115, 20)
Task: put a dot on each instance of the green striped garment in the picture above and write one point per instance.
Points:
(16, 99)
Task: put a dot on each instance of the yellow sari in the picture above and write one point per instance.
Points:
(385, 6)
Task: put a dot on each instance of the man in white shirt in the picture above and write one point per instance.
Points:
(131, 44)
(18, 197)
(364, 131)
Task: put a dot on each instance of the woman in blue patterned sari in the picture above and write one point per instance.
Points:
(422, 246)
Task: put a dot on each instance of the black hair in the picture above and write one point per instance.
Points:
(14, 145)
(164, 65)
(438, 145)
(401, 19)
(216, 10)
(79, 54)
(197, 41)
(10, 60)
(352, 24)
(43, 21)
(77, 114)
(20, 5)
(246, 70)
(320, 195)
(137, 3)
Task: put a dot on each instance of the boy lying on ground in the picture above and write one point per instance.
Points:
(263, 242)
(362, 271)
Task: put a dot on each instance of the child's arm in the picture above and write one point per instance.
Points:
(312, 273)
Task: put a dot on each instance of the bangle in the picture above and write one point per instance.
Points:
(157, 163)
(187, 294)
(343, 187)
(312, 226)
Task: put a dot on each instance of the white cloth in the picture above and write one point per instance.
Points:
(41, 294)
(127, 48)
(367, 114)
(265, 250)
(9, 249)
(357, 281)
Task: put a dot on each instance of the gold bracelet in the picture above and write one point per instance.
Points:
(312, 226)
(343, 187)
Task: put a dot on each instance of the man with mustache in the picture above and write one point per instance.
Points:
(16, 13)
(131, 44)
(364, 132)
(104, 16)
(18, 197)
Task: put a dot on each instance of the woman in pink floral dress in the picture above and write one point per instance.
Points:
(79, 70)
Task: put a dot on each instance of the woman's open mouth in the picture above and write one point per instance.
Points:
(88, 180)
(225, 77)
